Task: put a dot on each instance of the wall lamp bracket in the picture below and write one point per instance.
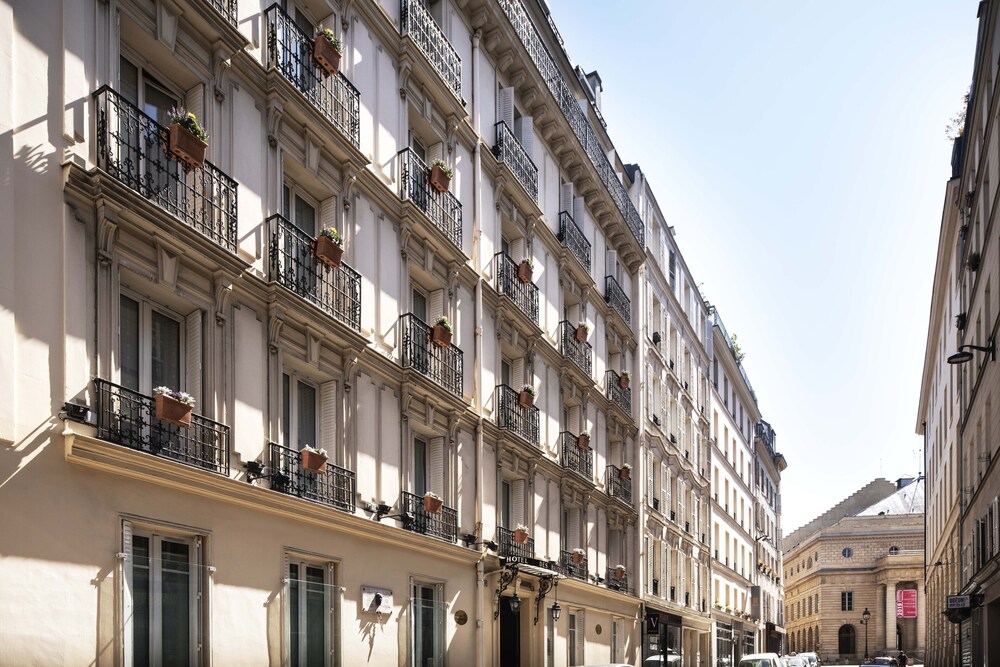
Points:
(964, 355)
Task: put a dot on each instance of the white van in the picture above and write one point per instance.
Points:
(761, 660)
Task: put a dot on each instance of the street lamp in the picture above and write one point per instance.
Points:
(865, 617)
(963, 355)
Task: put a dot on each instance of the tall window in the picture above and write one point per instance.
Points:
(427, 631)
(847, 601)
(571, 641)
(298, 413)
(150, 342)
(312, 598)
(162, 599)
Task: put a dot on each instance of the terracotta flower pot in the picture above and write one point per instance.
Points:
(433, 505)
(583, 441)
(525, 399)
(186, 147)
(328, 252)
(620, 572)
(525, 272)
(438, 179)
(581, 334)
(172, 411)
(577, 558)
(623, 382)
(312, 461)
(625, 474)
(520, 536)
(440, 336)
(326, 56)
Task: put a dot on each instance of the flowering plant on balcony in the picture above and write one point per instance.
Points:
(432, 502)
(619, 570)
(313, 459)
(440, 175)
(626, 471)
(442, 331)
(582, 332)
(329, 247)
(583, 440)
(183, 397)
(526, 270)
(187, 120)
(327, 51)
(578, 555)
(526, 398)
(624, 379)
(520, 533)
(172, 406)
(187, 140)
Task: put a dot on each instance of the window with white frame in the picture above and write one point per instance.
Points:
(313, 601)
(162, 598)
(427, 624)
(157, 347)
(512, 503)
(428, 466)
(576, 637)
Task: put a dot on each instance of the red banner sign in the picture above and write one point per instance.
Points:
(906, 604)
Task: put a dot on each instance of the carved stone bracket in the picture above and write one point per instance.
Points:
(223, 295)
(276, 320)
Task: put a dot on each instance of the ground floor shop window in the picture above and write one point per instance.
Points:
(723, 645)
(427, 625)
(313, 600)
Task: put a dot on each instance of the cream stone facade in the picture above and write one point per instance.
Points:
(767, 596)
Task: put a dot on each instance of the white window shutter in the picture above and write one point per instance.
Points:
(664, 569)
(435, 306)
(680, 502)
(127, 591)
(526, 135)
(573, 540)
(579, 211)
(517, 503)
(505, 102)
(193, 370)
(435, 466)
(650, 546)
(665, 491)
(650, 489)
(328, 214)
(581, 634)
(566, 198)
(574, 426)
(328, 417)
(517, 250)
(194, 102)
(435, 152)
(517, 378)
(611, 269)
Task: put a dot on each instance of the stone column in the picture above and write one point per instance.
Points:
(890, 617)
(921, 618)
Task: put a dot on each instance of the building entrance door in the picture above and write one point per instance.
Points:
(510, 635)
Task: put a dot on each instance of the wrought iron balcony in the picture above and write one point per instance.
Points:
(128, 418)
(133, 148)
(568, 103)
(509, 151)
(290, 51)
(616, 486)
(524, 295)
(512, 417)
(335, 487)
(576, 458)
(442, 208)
(443, 524)
(571, 569)
(615, 296)
(571, 236)
(510, 549)
(225, 7)
(417, 22)
(336, 291)
(580, 353)
(443, 365)
(614, 392)
(616, 582)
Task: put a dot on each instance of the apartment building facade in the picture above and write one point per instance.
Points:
(767, 593)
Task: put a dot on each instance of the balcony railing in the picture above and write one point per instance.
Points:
(442, 208)
(128, 418)
(512, 417)
(616, 298)
(577, 118)
(336, 291)
(443, 365)
(335, 487)
(443, 524)
(580, 353)
(616, 486)
(524, 295)
(509, 548)
(571, 569)
(416, 21)
(289, 50)
(576, 458)
(614, 392)
(572, 237)
(509, 151)
(133, 148)
(225, 7)
(616, 583)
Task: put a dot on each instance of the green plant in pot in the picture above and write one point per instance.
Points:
(440, 175)
(327, 51)
(187, 140)
(329, 247)
(441, 332)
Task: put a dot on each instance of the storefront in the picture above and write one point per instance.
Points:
(662, 636)
(774, 637)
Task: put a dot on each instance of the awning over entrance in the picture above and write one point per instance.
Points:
(771, 627)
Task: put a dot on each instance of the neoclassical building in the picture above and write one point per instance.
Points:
(854, 579)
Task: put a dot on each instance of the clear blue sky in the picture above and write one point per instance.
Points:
(799, 150)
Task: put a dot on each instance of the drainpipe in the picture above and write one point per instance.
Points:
(477, 176)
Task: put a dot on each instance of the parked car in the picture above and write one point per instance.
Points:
(812, 660)
(761, 660)
(669, 660)
(794, 661)
(884, 660)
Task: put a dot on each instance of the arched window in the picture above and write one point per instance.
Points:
(809, 641)
(846, 640)
(893, 551)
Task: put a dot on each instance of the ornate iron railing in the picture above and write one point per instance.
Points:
(227, 8)
(572, 237)
(571, 569)
(509, 548)
(335, 487)
(569, 105)
(133, 148)
(576, 458)
(580, 353)
(443, 524)
(616, 582)
(290, 51)
(524, 295)
(509, 151)
(128, 418)
(442, 208)
(614, 392)
(512, 417)
(616, 486)
(616, 298)
(443, 365)
(336, 291)
(416, 21)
